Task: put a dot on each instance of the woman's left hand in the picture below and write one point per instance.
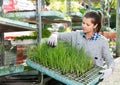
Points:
(106, 73)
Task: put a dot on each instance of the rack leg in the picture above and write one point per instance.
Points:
(42, 80)
(1, 49)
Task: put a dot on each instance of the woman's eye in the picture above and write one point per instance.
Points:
(85, 23)
(88, 25)
(82, 22)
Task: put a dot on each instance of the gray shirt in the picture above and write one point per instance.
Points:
(98, 49)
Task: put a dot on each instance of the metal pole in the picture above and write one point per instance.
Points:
(38, 20)
(1, 3)
(102, 5)
(68, 3)
(89, 4)
(102, 9)
(1, 49)
(108, 13)
(39, 30)
(118, 28)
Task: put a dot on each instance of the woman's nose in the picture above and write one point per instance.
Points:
(83, 25)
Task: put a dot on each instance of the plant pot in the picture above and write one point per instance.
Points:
(20, 57)
(109, 35)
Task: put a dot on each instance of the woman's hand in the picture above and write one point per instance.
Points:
(106, 73)
(52, 40)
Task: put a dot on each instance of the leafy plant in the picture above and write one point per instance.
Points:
(33, 35)
(25, 37)
(64, 57)
(45, 33)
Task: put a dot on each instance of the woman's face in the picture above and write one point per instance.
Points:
(87, 25)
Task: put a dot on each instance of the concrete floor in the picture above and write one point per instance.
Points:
(114, 79)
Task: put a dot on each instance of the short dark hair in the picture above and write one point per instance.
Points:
(97, 16)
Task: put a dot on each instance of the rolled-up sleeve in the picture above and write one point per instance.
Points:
(107, 55)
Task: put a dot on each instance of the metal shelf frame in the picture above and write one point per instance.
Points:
(91, 77)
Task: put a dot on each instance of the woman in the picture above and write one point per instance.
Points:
(93, 42)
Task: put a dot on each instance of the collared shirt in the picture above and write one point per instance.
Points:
(97, 46)
(95, 36)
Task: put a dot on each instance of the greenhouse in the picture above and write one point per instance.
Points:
(58, 42)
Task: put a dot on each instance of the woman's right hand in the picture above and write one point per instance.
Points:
(106, 73)
(52, 40)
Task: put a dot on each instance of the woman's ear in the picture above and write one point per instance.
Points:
(95, 26)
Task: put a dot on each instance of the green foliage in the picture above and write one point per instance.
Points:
(45, 33)
(62, 7)
(47, 1)
(34, 33)
(96, 5)
(59, 6)
(0, 47)
(82, 11)
(64, 57)
(61, 30)
(113, 18)
(113, 3)
(25, 37)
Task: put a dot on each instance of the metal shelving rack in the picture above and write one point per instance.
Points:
(8, 64)
(9, 25)
(89, 78)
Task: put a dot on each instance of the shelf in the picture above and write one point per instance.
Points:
(23, 42)
(89, 78)
(76, 28)
(28, 14)
(46, 20)
(27, 41)
(76, 14)
(76, 17)
(47, 16)
(8, 25)
(11, 69)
